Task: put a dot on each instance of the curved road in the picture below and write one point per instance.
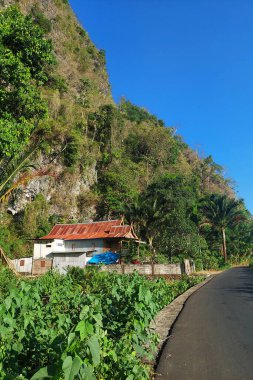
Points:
(213, 336)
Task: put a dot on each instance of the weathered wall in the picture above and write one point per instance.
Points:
(187, 267)
(147, 269)
(41, 266)
(62, 260)
(23, 265)
(47, 248)
(95, 245)
(42, 249)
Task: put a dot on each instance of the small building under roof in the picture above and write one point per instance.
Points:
(74, 244)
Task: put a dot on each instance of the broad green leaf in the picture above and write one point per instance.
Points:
(71, 367)
(71, 338)
(84, 311)
(86, 373)
(94, 349)
(49, 372)
(43, 373)
(17, 346)
(8, 302)
(21, 334)
(81, 327)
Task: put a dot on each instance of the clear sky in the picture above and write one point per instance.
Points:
(190, 62)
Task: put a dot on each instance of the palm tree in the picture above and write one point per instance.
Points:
(221, 212)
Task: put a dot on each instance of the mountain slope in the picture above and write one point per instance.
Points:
(95, 157)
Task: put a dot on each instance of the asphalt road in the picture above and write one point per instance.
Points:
(213, 336)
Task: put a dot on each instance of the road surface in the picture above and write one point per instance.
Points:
(213, 336)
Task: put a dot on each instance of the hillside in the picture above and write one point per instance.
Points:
(96, 159)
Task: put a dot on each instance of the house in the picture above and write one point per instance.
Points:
(74, 244)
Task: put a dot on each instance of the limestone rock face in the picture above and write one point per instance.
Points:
(61, 190)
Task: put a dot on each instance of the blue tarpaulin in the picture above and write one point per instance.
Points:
(105, 258)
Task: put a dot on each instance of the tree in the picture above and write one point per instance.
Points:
(222, 212)
(162, 215)
(24, 57)
(240, 241)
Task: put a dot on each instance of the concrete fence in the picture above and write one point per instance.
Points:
(152, 269)
(41, 266)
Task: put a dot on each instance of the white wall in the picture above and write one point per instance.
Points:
(43, 249)
(95, 245)
(63, 260)
(26, 268)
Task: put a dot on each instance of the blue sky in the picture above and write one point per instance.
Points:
(190, 62)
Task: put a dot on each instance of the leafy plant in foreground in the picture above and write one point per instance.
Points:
(85, 325)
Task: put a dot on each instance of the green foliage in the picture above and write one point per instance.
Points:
(7, 281)
(137, 114)
(5, 238)
(57, 82)
(102, 56)
(118, 188)
(101, 125)
(72, 151)
(85, 88)
(24, 56)
(22, 39)
(68, 326)
(164, 215)
(86, 200)
(151, 145)
(10, 241)
(221, 212)
(81, 31)
(35, 218)
(240, 241)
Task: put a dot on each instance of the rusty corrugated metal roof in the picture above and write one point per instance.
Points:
(96, 230)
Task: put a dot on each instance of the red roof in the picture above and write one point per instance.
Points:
(95, 230)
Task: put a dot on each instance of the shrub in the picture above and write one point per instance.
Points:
(57, 82)
(40, 19)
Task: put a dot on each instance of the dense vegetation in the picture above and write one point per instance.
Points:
(69, 154)
(80, 326)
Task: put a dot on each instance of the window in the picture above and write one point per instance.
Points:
(22, 263)
(48, 245)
